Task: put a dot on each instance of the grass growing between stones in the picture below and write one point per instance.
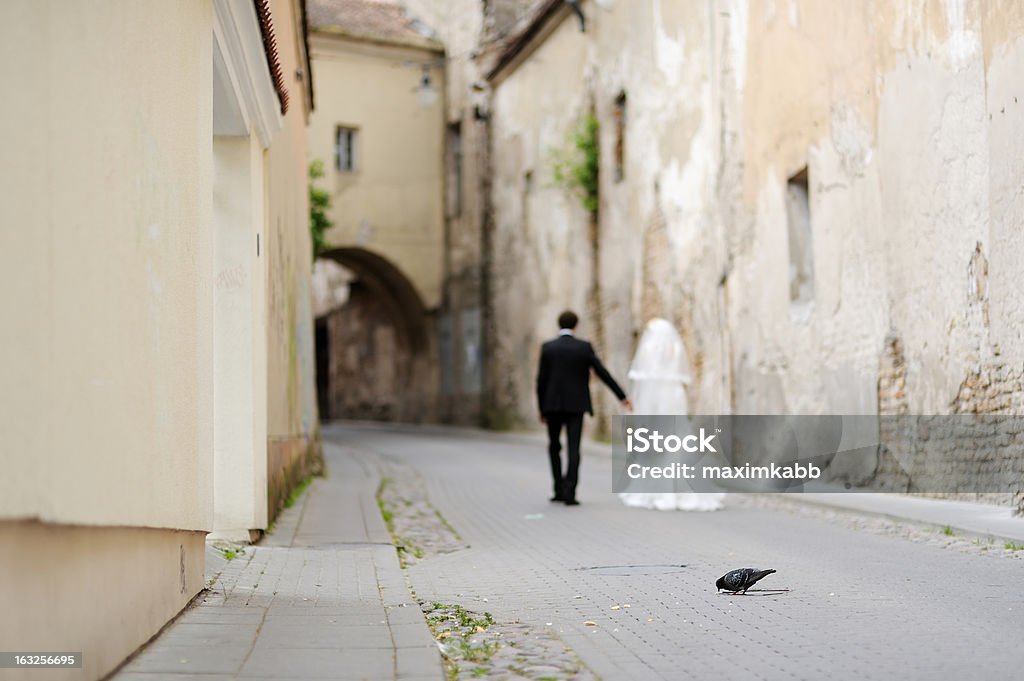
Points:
(390, 504)
(389, 517)
(231, 554)
(474, 646)
(466, 648)
(416, 527)
(297, 491)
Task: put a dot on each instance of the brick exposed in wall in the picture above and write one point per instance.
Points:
(892, 401)
(920, 453)
(994, 388)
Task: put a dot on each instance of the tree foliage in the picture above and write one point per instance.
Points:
(319, 203)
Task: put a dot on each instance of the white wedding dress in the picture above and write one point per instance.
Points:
(659, 372)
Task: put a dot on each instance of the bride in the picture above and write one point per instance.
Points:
(659, 371)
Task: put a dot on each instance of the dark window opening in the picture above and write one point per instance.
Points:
(345, 149)
(620, 137)
(799, 231)
(454, 199)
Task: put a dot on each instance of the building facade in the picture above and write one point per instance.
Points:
(409, 178)
(824, 198)
(154, 222)
(379, 133)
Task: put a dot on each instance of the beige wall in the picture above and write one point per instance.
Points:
(392, 203)
(115, 259)
(240, 354)
(148, 574)
(106, 259)
(904, 114)
(292, 421)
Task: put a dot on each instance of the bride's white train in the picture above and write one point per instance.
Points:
(660, 372)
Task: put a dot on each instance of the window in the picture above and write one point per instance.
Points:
(454, 170)
(345, 149)
(801, 256)
(620, 137)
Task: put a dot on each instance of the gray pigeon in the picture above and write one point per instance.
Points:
(741, 579)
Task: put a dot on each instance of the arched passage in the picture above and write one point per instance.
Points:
(374, 352)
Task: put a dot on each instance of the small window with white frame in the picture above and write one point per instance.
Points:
(345, 148)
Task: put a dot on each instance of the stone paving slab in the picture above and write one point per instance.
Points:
(323, 597)
(143, 676)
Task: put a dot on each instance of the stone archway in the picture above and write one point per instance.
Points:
(375, 352)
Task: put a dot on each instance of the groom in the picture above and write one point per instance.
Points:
(563, 392)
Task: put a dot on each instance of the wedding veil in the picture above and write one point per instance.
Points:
(659, 370)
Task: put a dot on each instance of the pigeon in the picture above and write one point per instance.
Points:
(741, 579)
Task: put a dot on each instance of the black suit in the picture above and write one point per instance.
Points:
(563, 394)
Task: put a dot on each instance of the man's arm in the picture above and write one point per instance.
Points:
(606, 377)
(543, 371)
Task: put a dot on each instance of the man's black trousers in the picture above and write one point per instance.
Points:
(565, 484)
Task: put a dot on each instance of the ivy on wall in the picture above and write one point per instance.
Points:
(576, 167)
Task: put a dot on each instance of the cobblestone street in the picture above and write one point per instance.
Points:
(596, 591)
(862, 606)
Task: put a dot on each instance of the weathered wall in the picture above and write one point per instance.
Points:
(377, 370)
(544, 258)
(903, 116)
(293, 448)
(460, 25)
(910, 200)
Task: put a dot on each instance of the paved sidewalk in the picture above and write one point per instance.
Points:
(323, 597)
(979, 520)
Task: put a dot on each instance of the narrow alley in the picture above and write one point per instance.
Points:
(627, 593)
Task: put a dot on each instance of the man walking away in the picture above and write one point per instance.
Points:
(563, 394)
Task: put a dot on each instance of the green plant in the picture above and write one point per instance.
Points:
(319, 203)
(460, 630)
(576, 168)
(447, 525)
(1013, 546)
(385, 512)
(948, 531)
(230, 554)
(297, 492)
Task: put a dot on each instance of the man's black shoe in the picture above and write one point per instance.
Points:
(571, 502)
(557, 498)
